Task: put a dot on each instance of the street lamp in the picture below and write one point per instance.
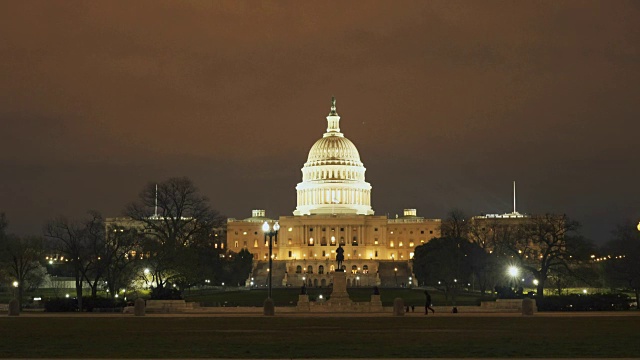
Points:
(513, 272)
(15, 289)
(271, 233)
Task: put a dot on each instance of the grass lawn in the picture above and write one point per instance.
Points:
(32, 336)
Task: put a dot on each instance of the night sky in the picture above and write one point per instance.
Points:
(447, 101)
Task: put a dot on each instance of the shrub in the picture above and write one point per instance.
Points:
(60, 305)
(578, 302)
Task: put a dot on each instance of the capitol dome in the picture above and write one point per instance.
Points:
(333, 176)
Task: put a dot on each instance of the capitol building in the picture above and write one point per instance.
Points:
(334, 208)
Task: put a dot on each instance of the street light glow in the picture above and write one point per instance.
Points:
(265, 227)
(513, 271)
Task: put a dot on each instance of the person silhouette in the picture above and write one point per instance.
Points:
(427, 304)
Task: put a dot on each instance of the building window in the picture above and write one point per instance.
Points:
(376, 253)
(375, 242)
(341, 229)
(289, 241)
(411, 243)
(323, 242)
(324, 229)
(421, 231)
(410, 232)
(310, 229)
(365, 269)
(236, 233)
(310, 269)
(391, 244)
(298, 269)
(354, 241)
(354, 269)
(430, 231)
(400, 243)
(255, 233)
(289, 253)
(320, 269)
(245, 243)
(375, 229)
(342, 240)
(324, 253)
(333, 240)
(255, 243)
(310, 241)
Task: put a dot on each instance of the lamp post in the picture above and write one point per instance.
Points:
(271, 233)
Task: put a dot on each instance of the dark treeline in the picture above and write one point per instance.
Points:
(169, 240)
(506, 255)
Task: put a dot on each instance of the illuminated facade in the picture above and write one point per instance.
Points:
(334, 208)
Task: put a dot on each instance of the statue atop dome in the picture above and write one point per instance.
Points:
(333, 107)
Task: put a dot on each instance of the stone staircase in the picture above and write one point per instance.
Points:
(260, 273)
(389, 277)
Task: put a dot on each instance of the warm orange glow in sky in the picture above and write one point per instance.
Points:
(447, 102)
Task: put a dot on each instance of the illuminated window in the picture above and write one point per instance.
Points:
(354, 269)
(375, 242)
(400, 243)
(310, 241)
(365, 269)
(255, 243)
(236, 244)
(411, 243)
(391, 243)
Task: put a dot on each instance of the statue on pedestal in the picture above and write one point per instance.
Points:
(339, 258)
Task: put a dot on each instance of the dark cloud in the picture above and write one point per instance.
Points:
(447, 101)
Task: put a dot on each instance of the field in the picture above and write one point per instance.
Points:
(415, 336)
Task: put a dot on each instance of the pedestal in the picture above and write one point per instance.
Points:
(339, 296)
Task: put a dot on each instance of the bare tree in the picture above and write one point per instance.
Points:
(82, 243)
(544, 243)
(175, 216)
(455, 226)
(623, 266)
(20, 257)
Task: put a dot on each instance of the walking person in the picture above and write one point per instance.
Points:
(427, 304)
